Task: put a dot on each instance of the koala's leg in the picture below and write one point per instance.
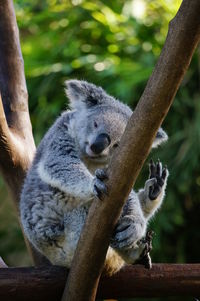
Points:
(129, 230)
(152, 195)
(132, 254)
(49, 239)
(59, 247)
(113, 263)
(139, 252)
(131, 226)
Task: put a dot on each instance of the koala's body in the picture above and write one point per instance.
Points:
(66, 176)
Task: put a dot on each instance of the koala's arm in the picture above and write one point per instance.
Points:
(152, 195)
(61, 167)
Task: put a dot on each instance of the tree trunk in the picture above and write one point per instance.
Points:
(182, 39)
(17, 145)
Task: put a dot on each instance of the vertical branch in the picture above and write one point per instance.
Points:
(12, 78)
(20, 145)
(17, 145)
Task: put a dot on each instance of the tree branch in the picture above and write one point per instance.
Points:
(16, 137)
(182, 39)
(47, 283)
(5, 138)
(17, 145)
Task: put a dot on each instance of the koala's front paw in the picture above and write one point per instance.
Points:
(100, 187)
(157, 178)
(127, 232)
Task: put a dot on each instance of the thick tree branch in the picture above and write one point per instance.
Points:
(182, 39)
(17, 145)
(47, 283)
(5, 138)
(17, 138)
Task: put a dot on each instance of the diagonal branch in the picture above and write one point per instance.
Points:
(182, 39)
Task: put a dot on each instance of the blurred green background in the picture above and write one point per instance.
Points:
(114, 44)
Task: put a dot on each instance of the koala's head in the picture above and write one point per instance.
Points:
(100, 121)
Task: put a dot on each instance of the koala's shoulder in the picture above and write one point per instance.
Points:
(59, 129)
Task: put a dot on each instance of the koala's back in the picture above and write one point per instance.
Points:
(41, 204)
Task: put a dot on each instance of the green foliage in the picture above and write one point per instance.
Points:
(115, 44)
(93, 40)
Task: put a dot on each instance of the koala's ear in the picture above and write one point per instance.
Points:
(82, 94)
(161, 137)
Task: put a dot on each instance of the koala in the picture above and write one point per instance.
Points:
(68, 173)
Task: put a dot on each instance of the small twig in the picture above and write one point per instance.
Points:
(2, 263)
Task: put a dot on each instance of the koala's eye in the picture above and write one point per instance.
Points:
(95, 124)
(115, 145)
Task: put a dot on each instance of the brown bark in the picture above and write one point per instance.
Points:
(17, 145)
(16, 140)
(182, 39)
(39, 284)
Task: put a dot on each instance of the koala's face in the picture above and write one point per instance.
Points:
(100, 121)
(99, 132)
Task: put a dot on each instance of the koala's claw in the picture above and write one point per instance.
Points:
(146, 261)
(145, 258)
(100, 187)
(101, 174)
(157, 177)
(164, 173)
(148, 241)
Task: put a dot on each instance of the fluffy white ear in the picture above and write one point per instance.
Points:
(161, 137)
(82, 94)
(74, 93)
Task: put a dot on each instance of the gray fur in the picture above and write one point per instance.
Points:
(61, 184)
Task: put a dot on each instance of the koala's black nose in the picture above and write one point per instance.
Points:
(101, 142)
